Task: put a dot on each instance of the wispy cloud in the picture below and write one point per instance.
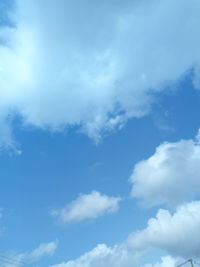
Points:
(14, 259)
(89, 206)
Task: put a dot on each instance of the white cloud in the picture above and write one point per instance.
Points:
(63, 65)
(43, 249)
(102, 256)
(14, 259)
(170, 176)
(168, 261)
(177, 234)
(87, 206)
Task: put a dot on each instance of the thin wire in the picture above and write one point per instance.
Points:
(12, 260)
(182, 263)
(13, 263)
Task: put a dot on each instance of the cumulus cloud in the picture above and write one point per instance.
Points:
(13, 259)
(63, 65)
(175, 233)
(170, 176)
(87, 206)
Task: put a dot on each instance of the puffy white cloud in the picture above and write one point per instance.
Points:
(63, 65)
(87, 206)
(175, 233)
(13, 259)
(170, 176)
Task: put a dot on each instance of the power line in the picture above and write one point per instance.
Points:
(6, 259)
(10, 262)
(189, 260)
(182, 263)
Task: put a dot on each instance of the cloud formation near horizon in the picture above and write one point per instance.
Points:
(63, 65)
(175, 233)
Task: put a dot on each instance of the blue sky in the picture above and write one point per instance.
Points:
(99, 133)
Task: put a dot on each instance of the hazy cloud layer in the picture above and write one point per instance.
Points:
(170, 176)
(62, 64)
(89, 206)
